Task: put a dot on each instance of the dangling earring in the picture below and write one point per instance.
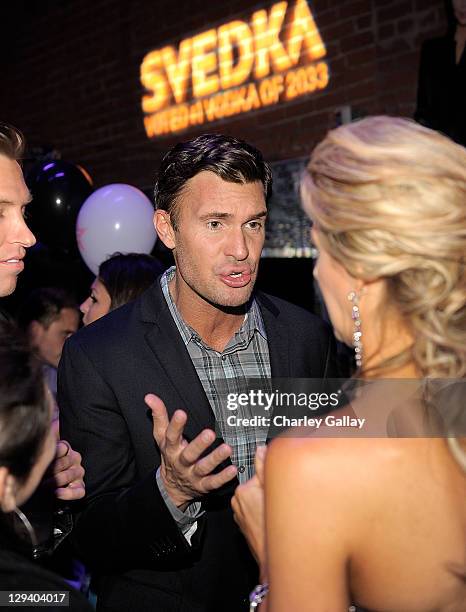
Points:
(357, 333)
(29, 530)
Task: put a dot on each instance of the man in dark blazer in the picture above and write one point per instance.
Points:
(156, 524)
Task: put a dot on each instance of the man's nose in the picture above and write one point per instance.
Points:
(237, 246)
(23, 234)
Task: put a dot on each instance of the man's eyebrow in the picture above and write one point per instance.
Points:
(223, 215)
(215, 214)
(4, 200)
(259, 215)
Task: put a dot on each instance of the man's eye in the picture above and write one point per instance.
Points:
(255, 225)
(93, 298)
(214, 225)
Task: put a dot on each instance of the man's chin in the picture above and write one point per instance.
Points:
(236, 298)
(7, 287)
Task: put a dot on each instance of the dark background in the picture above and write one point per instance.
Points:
(70, 81)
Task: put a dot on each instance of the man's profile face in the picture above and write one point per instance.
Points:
(219, 239)
(49, 340)
(15, 236)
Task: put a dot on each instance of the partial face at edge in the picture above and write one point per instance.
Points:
(15, 236)
(459, 8)
(219, 240)
(97, 304)
(49, 340)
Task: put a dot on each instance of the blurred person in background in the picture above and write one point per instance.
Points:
(49, 316)
(27, 448)
(121, 278)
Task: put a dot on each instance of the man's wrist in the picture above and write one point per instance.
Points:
(180, 500)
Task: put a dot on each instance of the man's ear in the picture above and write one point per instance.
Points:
(7, 490)
(164, 228)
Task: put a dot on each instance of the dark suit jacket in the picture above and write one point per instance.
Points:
(125, 530)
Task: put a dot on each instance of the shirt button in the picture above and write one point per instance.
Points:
(224, 357)
(241, 469)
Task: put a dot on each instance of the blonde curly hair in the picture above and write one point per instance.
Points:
(389, 199)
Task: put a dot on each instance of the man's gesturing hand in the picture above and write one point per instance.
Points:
(185, 475)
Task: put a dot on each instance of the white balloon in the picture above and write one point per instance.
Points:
(114, 218)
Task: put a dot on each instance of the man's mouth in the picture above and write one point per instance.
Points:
(237, 278)
(14, 262)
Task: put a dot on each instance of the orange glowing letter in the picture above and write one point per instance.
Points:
(240, 33)
(267, 41)
(204, 64)
(154, 80)
(178, 69)
(303, 29)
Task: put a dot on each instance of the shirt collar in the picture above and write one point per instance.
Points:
(252, 321)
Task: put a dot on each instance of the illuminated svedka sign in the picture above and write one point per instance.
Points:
(234, 69)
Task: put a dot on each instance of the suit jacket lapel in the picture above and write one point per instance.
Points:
(277, 337)
(172, 356)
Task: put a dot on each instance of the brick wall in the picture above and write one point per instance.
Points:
(70, 74)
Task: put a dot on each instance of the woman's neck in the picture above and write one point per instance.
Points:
(381, 345)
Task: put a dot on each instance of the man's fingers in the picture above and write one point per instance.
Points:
(62, 464)
(196, 447)
(75, 490)
(67, 477)
(215, 481)
(159, 416)
(63, 448)
(174, 431)
(205, 466)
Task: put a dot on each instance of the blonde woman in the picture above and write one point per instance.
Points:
(376, 522)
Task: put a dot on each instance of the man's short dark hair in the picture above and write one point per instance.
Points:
(11, 142)
(44, 305)
(231, 159)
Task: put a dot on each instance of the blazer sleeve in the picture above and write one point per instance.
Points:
(123, 518)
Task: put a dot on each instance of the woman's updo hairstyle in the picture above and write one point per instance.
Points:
(389, 199)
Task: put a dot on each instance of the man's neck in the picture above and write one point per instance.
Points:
(214, 325)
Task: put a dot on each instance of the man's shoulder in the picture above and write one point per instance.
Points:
(287, 312)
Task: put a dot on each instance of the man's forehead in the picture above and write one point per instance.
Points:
(67, 317)
(13, 189)
(206, 188)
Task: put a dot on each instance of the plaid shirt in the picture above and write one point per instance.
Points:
(245, 357)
